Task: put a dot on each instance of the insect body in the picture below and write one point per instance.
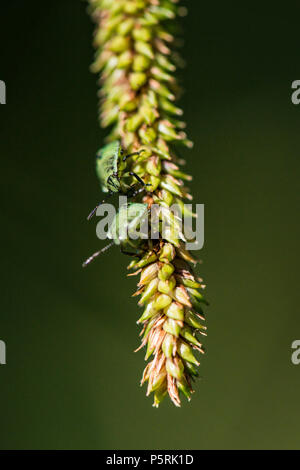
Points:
(108, 166)
(129, 230)
(111, 170)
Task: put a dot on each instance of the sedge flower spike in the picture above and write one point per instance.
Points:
(136, 59)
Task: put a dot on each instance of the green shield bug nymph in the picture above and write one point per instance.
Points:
(111, 171)
(129, 229)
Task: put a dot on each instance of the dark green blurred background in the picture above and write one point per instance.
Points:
(71, 379)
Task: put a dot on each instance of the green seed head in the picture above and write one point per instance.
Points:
(175, 311)
(165, 271)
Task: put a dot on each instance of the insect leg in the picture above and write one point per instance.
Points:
(128, 253)
(132, 154)
(137, 191)
(138, 178)
(91, 258)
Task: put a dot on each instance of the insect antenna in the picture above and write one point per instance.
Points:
(94, 210)
(91, 258)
